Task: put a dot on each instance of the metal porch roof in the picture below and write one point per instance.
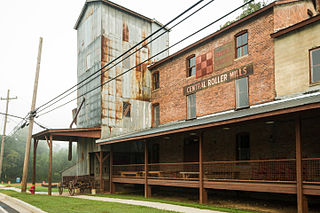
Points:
(278, 107)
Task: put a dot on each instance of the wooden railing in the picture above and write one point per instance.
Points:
(275, 170)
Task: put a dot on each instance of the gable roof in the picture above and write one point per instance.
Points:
(116, 6)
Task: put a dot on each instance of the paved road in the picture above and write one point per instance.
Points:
(6, 208)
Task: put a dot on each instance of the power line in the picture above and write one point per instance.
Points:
(14, 116)
(127, 56)
(123, 54)
(185, 38)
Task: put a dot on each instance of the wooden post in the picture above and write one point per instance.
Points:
(111, 186)
(35, 145)
(33, 105)
(300, 197)
(147, 191)
(4, 129)
(101, 178)
(50, 167)
(202, 190)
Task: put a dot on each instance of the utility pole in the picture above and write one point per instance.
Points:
(4, 128)
(32, 114)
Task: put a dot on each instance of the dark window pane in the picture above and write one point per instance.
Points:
(191, 66)
(126, 109)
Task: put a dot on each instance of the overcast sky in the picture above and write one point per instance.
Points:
(23, 22)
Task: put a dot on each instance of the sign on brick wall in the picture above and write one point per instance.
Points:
(223, 56)
(218, 79)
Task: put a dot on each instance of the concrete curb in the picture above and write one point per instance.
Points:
(22, 204)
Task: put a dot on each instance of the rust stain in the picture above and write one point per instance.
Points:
(125, 31)
(138, 60)
(144, 44)
(110, 127)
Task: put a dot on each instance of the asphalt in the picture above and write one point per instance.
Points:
(20, 206)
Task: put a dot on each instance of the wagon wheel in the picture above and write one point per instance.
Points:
(60, 189)
(71, 188)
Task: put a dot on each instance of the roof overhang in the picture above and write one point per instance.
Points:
(274, 108)
(68, 134)
(114, 5)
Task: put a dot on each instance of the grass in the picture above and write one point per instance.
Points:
(189, 204)
(38, 188)
(68, 204)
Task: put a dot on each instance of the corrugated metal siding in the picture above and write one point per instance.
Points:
(89, 56)
(121, 31)
(103, 34)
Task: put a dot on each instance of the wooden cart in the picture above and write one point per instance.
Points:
(76, 182)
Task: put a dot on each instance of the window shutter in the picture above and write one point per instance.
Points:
(191, 106)
(242, 96)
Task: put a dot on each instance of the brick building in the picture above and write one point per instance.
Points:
(237, 110)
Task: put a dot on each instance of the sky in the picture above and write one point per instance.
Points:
(23, 22)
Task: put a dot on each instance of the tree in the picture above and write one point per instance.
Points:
(246, 10)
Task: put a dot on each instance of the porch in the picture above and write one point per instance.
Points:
(272, 152)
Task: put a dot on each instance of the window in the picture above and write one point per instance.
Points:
(155, 80)
(315, 65)
(191, 65)
(243, 146)
(126, 109)
(242, 44)
(242, 94)
(191, 106)
(156, 115)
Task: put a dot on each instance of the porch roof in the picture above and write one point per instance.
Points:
(289, 105)
(68, 134)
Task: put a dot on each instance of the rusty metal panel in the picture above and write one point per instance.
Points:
(159, 44)
(89, 55)
(104, 33)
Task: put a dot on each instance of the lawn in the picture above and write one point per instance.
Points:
(189, 204)
(39, 188)
(68, 204)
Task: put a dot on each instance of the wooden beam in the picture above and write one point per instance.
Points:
(146, 187)
(50, 168)
(35, 145)
(203, 193)
(300, 196)
(101, 170)
(98, 157)
(47, 140)
(70, 151)
(111, 186)
(105, 157)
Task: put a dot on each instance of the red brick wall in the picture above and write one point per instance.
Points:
(290, 13)
(221, 97)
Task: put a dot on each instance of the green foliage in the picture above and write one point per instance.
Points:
(247, 10)
(13, 159)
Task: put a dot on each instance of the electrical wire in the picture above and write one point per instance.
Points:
(14, 116)
(166, 49)
(127, 56)
(123, 54)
